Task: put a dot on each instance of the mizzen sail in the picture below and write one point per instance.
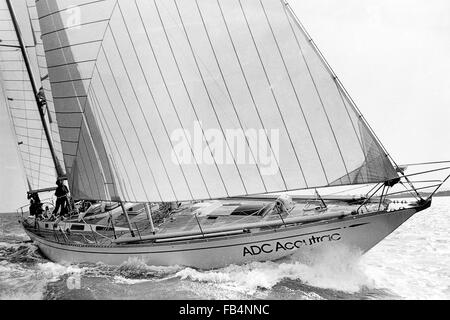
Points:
(162, 100)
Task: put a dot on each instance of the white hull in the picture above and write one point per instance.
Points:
(359, 232)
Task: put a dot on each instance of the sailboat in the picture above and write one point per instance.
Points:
(214, 111)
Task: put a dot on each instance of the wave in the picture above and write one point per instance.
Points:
(22, 281)
(301, 276)
(19, 252)
(336, 269)
(135, 270)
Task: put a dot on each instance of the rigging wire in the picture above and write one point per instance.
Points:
(425, 163)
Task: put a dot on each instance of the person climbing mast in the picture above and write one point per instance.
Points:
(41, 97)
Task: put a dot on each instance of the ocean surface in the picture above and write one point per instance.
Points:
(412, 263)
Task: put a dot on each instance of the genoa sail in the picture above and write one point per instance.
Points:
(178, 100)
(19, 97)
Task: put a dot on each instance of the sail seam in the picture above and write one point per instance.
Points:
(212, 105)
(229, 94)
(82, 107)
(83, 176)
(101, 116)
(71, 46)
(339, 83)
(86, 101)
(295, 91)
(137, 100)
(274, 97)
(68, 8)
(189, 98)
(19, 153)
(354, 128)
(320, 98)
(69, 28)
(153, 99)
(246, 81)
(90, 164)
(169, 96)
(128, 114)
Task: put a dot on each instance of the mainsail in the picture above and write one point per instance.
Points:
(20, 99)
(157, 100)
(36, 51)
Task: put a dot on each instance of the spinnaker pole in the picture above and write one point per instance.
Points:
(124, 211)
(148, 211)
(59, 171)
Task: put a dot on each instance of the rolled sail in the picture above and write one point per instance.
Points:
(177, 100)
(19, 98)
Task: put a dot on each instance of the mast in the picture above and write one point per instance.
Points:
(22, 47)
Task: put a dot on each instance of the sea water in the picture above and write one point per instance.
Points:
(412, 263)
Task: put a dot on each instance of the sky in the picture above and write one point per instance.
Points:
(391, 55)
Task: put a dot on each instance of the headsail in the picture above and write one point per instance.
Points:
(34, 149)
(162, 100)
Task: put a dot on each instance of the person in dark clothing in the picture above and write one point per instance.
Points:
(41, 97)
(32, 206)
(61, 199)
(35, 205)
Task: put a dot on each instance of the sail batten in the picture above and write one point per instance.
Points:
(19, 67)
(46, 93)
(186, 100)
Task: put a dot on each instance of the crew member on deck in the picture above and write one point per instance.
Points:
(47, 215)
(35, 205)
(61, 199)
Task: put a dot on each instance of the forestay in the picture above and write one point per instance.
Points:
(164, 100)
(19, 97)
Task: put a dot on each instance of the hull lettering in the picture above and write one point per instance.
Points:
(268, 248)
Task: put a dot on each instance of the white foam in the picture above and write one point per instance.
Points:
(337, 270)
(137, 265)
(9, 245)
(126, 281)
(53, 272)
(19, 283)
